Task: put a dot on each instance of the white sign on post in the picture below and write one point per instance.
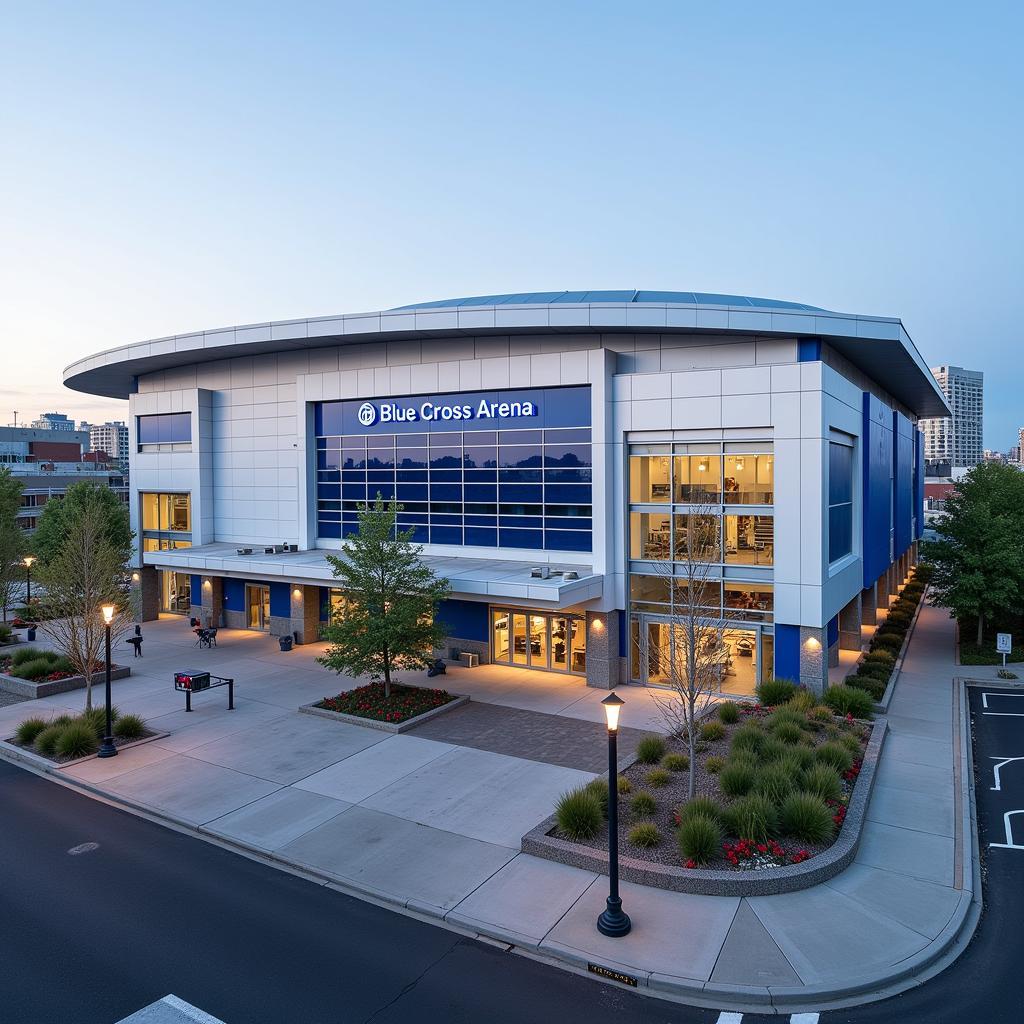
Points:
(1004, 645)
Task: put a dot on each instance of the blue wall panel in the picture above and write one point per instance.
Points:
(787, 651)
(832, 631)
(919, 484)
(197, 590)
(877, 449)
(464, 620)
(281, 600)
(808, 350)
(903, 497)
(234, 595)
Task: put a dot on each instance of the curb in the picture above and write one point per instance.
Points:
(882, 706)
(372, 723)
(911, 972)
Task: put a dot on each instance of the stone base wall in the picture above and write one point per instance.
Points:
(481, 648)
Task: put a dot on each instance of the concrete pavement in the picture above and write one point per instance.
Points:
(434, 827)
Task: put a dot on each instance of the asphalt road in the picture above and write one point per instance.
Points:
(95, 936)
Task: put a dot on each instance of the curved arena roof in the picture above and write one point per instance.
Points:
(878, 346)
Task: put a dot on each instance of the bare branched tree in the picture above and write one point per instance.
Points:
(87, 572)
(693, 657)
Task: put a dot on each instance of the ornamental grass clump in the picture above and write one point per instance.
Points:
(77, 739)
(774, 782)
(803, 700)
(772, 692)
(651, 749)
(751, 817)
(623, 785)
(728, 712)
(822, 781)
(96, 719)
(705, 805)
(788, 732)
(46, 741)
(27, 732)
(644, 835)
(848, 700)
(748, 737)
(771, 750)
(598, 788)
(699, 838)
(835, 755)
(130, 727)
(713, 765)
(579, 814)
(676, 762)
(711, 731)
(643, 805)
(658, 777)
(805, 816)
(736, 777)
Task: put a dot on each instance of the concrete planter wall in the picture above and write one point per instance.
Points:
(33, 689)
(371, 723)
(704, 882)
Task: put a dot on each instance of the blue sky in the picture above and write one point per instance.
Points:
(165, 168)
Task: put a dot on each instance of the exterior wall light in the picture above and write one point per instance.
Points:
(812, 643)
(207, 584)
(136, 577)
(597, 625)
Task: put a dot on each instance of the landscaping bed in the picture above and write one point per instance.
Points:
(407, 706)
(876, 666)
(986, 654)
(68, 738)
(781, 793)
(32, 672)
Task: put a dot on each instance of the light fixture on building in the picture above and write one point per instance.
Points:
(136, 577)
(207, 584)
(812, 643)
(702, 466)
(597, 625)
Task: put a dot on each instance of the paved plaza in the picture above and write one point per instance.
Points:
(431, 820)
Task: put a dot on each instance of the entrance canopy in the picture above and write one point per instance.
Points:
(483, 578)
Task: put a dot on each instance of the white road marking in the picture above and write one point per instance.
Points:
(730, 1018)
(1004, 714)
(804, 1018)
(83, 848)
(1003, 762)
(170, 1010)
(1002, 693)
(1008, 828)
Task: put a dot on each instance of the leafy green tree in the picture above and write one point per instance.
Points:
(59, 514)
(388, 620)
(979, 556)
(86, 571)
(12, 538)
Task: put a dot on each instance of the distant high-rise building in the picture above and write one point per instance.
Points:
(957, 439)
(53, 421)
(111, 438)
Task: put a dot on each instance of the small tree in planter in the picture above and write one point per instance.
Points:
(86, 571)
(12, 539)
(691, 663)
(388, 619)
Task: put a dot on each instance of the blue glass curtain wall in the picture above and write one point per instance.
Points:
(524, 480)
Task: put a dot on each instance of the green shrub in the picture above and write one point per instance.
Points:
(714, 764)
(774, 782)
(728, 712)
(645, 834)
(887, 642)
(598, 789)
(880, 657)
(751, 817)
(748, 737)
(96, 719)
(37, 668)
(579, 813)
(23, 654)
(651, 749)
(676, 762)
(796, 762)
(699, 837)
(736, 778)
(5, 633)
(623, 784)
(803, 700)
(772, 749)
(27, 732)
(76, 740)
(46, 741)
(805, 817)
(788, 732)
(658, 777)
(845, 700)
(820, 714)
(711, 731)
(129, 727)
(822, 780)
(643, 805)
(875, 670)
(772, 692)
(786, 715)
(835, 755)
(705, 805)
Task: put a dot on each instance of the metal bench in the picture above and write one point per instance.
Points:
(194, 682)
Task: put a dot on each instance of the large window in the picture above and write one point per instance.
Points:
(840, 500)
(171, 431)
(729, 599)
(166, 513)
(525, 484)
(532, 639)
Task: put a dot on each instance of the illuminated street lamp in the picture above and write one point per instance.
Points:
(613, 922)
(28, 561)
(108, 749)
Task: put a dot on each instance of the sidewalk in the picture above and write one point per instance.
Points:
(433, 827)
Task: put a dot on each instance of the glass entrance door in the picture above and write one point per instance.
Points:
(257, 602)
(530, 639)
(175, 592)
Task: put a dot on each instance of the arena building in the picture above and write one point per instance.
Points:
(566, 459)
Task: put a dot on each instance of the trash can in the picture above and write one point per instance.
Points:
(31, 634)
(285, 642)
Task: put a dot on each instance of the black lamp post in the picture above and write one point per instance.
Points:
(108, 749)
(613, 921)
(29, 561)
